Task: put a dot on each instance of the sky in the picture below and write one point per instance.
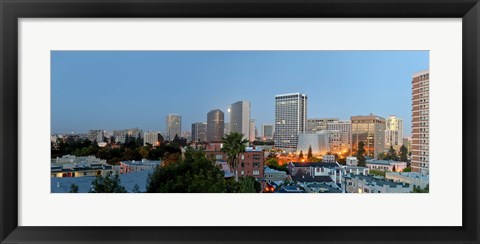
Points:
(112, 90)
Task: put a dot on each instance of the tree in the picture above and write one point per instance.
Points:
(394, 169)
(407, 169)
(382, 156)
(273, 164)
(194, 174)
(300, 156)
(392, 154)
(233, 145)
(403, 154)
(420, 190)
(107, 184)
(361, 154)
(73, 188)
(247, 185)
(309, 154)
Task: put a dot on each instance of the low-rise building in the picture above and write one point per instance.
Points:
(386, 165)
(273, 175)
(371, 184)
(72, 166)
(290, 189)
(133, 166)
(328, 158)
(356, 170)
(333, 170)
(352, 161)
(250, 162)
(413, 178)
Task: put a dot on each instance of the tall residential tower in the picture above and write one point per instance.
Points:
(420, 122)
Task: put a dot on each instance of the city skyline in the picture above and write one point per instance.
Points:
(124, 91)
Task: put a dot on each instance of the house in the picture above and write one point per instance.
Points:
(371, 184)
(386, 165)
(333, 170)
(414, 178)
(273, 175)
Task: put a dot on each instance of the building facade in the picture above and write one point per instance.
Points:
(152, 138)
(290, 119)
(393, 132)
(250, 163)
(267, 132)
(240, 118)
(420, 122)
(174, 126)
(199, 132)
(318, 124)
(371, 130)
(215, 125)
(95, 135)
(319, 142)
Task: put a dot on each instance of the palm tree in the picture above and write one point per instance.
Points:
(233, 145)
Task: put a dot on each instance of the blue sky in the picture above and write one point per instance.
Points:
(124, 89)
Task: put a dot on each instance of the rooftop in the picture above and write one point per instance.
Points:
(378, 181)
(62, 184)
(316, 164)
(308, 178)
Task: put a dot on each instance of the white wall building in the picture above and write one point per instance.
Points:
(318, 142)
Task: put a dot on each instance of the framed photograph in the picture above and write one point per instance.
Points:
(232, 121)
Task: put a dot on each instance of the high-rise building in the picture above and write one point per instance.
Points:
(252, 133)
(240, 118)
(420, 122)
(174, 126)
(199, 131)
(290, 119)
(371, 130)
(267, 132)
(152, 138)
(215, 125)
(394, 132)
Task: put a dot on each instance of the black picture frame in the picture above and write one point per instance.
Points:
(12, 10)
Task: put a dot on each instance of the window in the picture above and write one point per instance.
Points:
(256, 172)
(256, 164)
(243, 172)
(243, 157)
